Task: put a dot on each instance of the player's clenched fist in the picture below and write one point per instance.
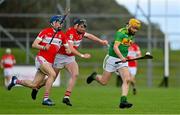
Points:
(86, 56)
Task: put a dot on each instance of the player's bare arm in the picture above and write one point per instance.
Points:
(38, 46)
(116, 50)
(94, 38)
(139, 53)
(76, 52)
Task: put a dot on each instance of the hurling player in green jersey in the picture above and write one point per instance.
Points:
(118, 51)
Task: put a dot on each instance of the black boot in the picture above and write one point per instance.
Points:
(91, 77)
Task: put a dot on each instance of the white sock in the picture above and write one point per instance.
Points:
(66, 97)
(45, 99)
(15, 81)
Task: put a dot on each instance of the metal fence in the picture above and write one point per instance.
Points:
(23, 38)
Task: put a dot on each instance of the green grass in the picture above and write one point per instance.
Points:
(97, 99)
(92, 100)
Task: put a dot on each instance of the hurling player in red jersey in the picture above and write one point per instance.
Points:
(45, 58)
(75, 35)
(133, 52)
(7, 63)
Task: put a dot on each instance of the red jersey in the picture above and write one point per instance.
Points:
(133, 52)
(8, 60)
(74, 38)
(45, 36)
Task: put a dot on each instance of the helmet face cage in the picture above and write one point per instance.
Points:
(83, 21)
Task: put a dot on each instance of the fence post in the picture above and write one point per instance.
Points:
(27, 48)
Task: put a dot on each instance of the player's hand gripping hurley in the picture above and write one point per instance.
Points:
(147, 56)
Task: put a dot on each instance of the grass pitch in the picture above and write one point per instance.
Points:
(91, 100)
(96, 99)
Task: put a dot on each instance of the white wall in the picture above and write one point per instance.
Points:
(28, 72)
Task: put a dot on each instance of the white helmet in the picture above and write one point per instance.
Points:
(8, 50)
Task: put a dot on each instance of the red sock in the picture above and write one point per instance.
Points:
(18, 81)
(46, 96)
(68, 93)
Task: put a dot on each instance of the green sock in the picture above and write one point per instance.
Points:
(123, 98)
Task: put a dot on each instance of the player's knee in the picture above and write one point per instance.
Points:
(128, 80)
(34, 86)
(75, 75)
(53, 74)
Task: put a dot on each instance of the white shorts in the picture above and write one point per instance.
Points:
(62, 60)
(8, 72)
(110, 66)
(39, 61)
(133, 70)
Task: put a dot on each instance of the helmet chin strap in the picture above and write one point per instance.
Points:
(79, 32)
(57, 29)
(130, 32)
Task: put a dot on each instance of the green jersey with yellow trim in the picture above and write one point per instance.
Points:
(125, 40)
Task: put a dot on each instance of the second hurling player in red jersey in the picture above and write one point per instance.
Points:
(74, 38)
(75, 35)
